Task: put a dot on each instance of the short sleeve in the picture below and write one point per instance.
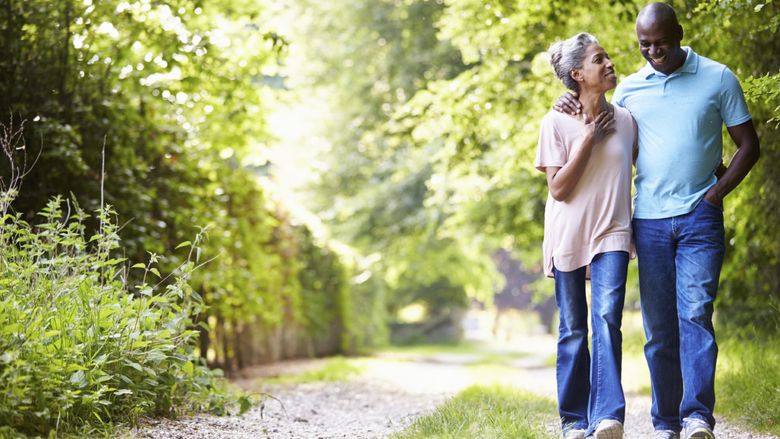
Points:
(618, 96)
(733, 109)
(551, 150)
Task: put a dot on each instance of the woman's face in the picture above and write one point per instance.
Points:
(597, 73)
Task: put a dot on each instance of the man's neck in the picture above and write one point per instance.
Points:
(680, 56)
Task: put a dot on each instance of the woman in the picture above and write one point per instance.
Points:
(587, 233)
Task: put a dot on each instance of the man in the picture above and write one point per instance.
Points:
(680, 101)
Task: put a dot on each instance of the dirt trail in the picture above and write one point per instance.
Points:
(393, 390)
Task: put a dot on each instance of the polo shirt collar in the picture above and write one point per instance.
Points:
(691, 65)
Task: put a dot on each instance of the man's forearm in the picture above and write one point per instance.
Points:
(741, 164)
(748, 150)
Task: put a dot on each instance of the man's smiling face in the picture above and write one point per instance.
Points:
(659, 43)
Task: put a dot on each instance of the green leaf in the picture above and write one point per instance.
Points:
(183, 244)
(134, 365)
(244, 404)
(103, 379)
(139, 265)
(78, 378)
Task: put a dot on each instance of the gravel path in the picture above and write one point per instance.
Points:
(355, 409)
(392, 391)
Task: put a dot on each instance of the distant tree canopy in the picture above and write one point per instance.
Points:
(437, 108)
(171, 95)
(432, 123)
(172, 99)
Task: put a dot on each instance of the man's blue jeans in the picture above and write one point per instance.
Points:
(679, 266)
(589, 393)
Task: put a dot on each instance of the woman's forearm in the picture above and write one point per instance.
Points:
(563, 182)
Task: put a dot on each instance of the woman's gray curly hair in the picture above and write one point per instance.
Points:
(567, 55)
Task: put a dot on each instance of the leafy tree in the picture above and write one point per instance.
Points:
(743, 35)
(452, 156)
(159, 109)
(375, 57)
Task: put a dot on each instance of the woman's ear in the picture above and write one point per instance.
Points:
(576, 75)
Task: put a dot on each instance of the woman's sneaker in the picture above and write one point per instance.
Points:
(609, 429)
(574, 434)
(697, 429)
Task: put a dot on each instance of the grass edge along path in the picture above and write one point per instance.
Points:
(336, 368)
(487, 412)
(747, 383)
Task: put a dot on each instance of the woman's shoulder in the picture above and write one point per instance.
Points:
(558, 120)
(622, 112)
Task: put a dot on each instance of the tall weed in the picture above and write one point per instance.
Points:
(80, 344)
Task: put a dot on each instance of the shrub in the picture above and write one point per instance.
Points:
(79, 344)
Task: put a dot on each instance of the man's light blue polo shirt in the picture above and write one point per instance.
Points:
(680, 118)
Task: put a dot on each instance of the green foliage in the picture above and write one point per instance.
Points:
(366, 306)
(445, 167)
(487, 412)
(376, 55)
(486, 119)
(82, 346)
(741, 34)
(750, 284)
(176, 94)
(748, 390)
(323, 283)
(157, 85)
(433, 122)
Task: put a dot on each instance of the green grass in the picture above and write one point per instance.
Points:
(334, 369)
(748, 382)
(481, 412)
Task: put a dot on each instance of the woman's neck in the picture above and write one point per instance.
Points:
(593, 103)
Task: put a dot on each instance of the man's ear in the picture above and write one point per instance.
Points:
(680, 32)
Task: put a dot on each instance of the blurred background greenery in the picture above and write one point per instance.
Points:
(363, 168)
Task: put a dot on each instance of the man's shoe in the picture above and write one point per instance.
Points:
(665, 434)
(574, 434)
(697, 429)
(609, 429)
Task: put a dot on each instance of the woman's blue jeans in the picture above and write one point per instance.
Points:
(590, 391)
(679, 266)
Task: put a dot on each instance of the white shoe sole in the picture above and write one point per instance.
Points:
(614, 431)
